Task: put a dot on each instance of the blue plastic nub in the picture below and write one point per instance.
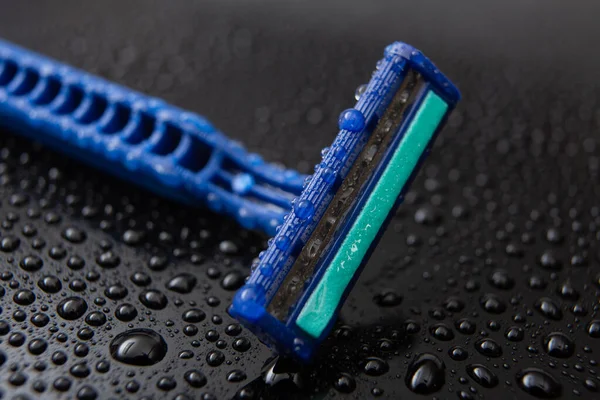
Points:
(175, 153)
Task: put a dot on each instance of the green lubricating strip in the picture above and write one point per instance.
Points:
(322, 303)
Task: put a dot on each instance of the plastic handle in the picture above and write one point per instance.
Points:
(175, 153)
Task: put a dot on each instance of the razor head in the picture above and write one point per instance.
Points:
(298, 284)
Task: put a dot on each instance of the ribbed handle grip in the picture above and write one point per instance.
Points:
(170, 151)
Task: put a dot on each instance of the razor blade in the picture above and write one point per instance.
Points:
(299, 283)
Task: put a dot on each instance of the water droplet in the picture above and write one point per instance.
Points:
(182, 283)
(80, 370)
(591, 385)
(50, 284)
(59, 358)
(190, 330)
(282, 242)
(77, 285)
(31, 263)
(102, 366)
(387, 298)
(17, 378)
(236, 376)
(538, 383)
(72, 308)
(166, 383)
(304, 209)
(515, 334)
(9, 243)
(493, 325)
(501, 280)
(425, 374)
(57, 253)
(241, 344)
(472, 285)
(427, 215)
(213, 301)
(465, 326)
(411, 327)
(344, 383)
(81, 350)
(116, 292)
(233, 280)
(132, 386)
(153, 299)
(488, 347)
(75, 263)
(594, 329)
(133, 238)
(351, 120)
(16, 339)
(554, 236)
(567, 291)
(194, 315)
(74, 235)
(39, 386)
(579, 260)
(158, 263)
(141, 279)
(549, 260)
(454, 304)
(559, 345)
(578, 310)
(37, 346)
(458, 353)
(548, 308)
(195, 378)
(441, 332)
(40, 319)
(85, 333)
(537, 282)
(233, 329)
(138, 347)
(215, 358)
(95, 318)
(186, 354)
(492, 304)
(62, 384)
(228, 247)
(374, 366)
(482, 375)
(126, 312)
(19, 315)
(24, 297)
(360, 91)
(108, 259)
(87, 393)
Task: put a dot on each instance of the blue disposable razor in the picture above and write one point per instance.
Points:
(325, 226)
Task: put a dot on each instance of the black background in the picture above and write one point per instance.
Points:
(511, 184)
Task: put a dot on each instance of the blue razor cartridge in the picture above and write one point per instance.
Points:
(298, 284)
(172, 152)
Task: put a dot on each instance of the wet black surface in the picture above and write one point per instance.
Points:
(485, 286)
